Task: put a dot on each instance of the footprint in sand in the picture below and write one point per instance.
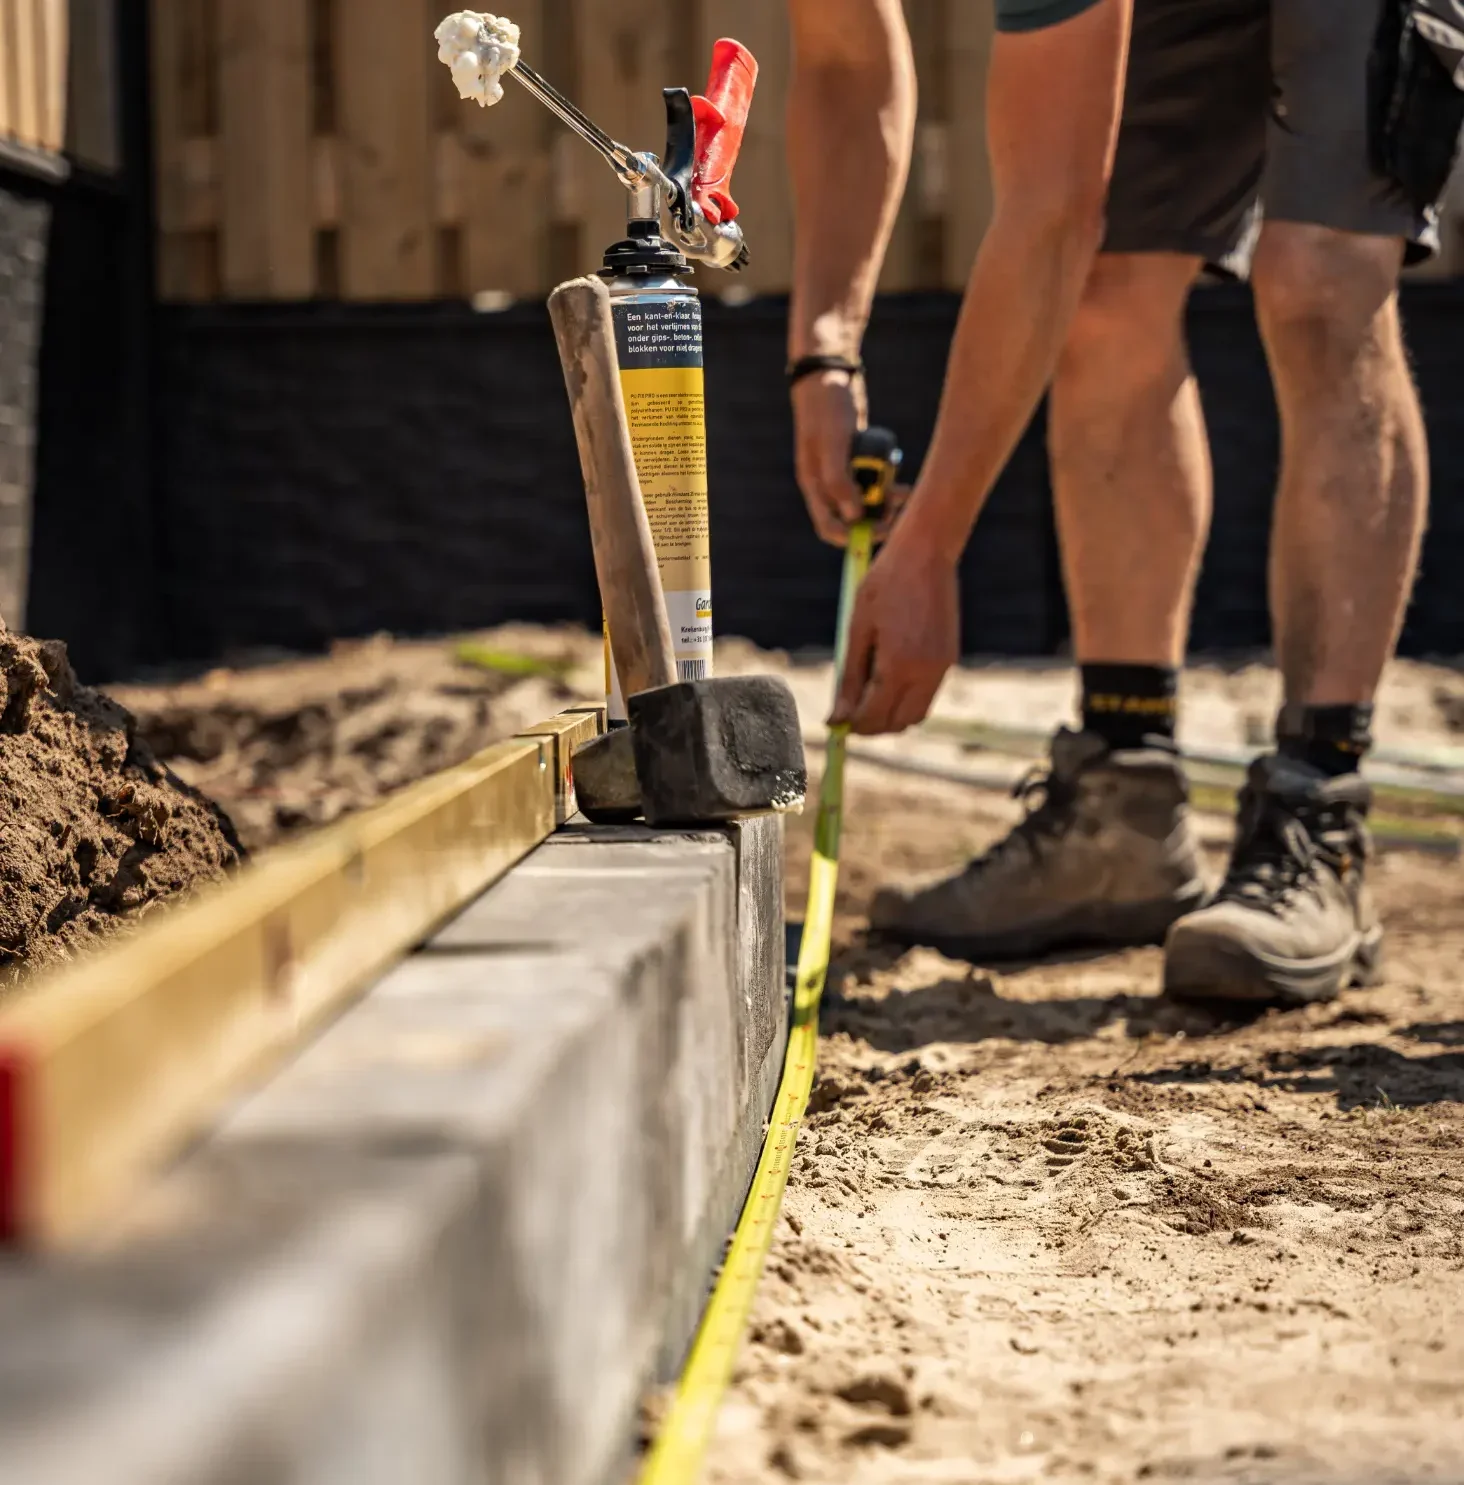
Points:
(1074, 1138)
(1071, 1141)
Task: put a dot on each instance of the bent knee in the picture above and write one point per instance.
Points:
(1324, 293)
(1129, 325)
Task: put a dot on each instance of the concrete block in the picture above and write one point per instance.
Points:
(456, 1238)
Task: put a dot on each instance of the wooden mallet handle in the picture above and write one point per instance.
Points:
(625, 557)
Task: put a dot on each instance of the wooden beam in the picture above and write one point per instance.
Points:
(167, 120)
(388, 247)
(92, 121)
(55, 42)
(194, 186)
(27, 122)
(9, 80)
(504, 200)
(968, 209)
(326, 169)
(760, 183)
(187, 201)
(568, 731)
(111, 1065)
(264, 149)
(625, 57)
(8, 101)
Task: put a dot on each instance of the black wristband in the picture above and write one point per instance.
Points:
(812, 365)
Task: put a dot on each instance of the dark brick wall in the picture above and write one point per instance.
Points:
(330, 470)
(333, 470)
(23, 228)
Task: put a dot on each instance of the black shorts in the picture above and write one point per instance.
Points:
(1234, 108)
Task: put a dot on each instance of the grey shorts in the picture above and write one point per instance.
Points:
(1235, 108)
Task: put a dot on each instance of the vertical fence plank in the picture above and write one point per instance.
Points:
(969, 170)
(91, 85)
(930, 176)
(626, 57)
(8, 101)
(54, 22)
(760, 181)
(25, 30)
(387, 241)
(504, 178)
(185, 115)
(167, 116)
(266, 195)
(899, 269)
(37, 73)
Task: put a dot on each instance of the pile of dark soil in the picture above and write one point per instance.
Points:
(289, 746)
(94, 830)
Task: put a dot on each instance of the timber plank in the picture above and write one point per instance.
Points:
(8, 103)
(625, 57)
(505, 201)
(266, 189)
(27, 122)
(91, 87)
(110, 1065)
(8, 80)
(385, 145)
(968, 211)
(760, 183)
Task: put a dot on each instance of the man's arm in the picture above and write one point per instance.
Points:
(851, 122)
(1053, 100)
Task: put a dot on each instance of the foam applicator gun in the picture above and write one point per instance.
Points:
(692, 181)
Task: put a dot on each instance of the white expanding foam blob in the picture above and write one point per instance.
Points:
(478, 48)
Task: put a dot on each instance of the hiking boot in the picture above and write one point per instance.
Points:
(1293, 921)
(1105, 856)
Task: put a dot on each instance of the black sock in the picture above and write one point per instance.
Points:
(1127, 704)
(1331, 738)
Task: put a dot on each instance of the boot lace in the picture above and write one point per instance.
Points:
(1049, 799)
(1279, 846)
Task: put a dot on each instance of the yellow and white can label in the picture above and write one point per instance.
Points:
(659, 340)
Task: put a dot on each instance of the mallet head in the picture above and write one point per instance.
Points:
(715, 750)
(697, 753)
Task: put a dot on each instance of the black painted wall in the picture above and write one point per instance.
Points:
(95, 553)
(215, 480)
(332, 470)
(24, 229)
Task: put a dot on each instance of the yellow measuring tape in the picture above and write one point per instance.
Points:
(675, 1458)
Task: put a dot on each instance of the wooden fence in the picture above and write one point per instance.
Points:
(317, 148)
(59, 88)
(33, 51)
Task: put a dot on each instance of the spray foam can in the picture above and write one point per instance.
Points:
(658, 336)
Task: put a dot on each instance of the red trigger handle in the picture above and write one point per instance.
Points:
(721, 117)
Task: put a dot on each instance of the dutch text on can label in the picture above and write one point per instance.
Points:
(660, 351)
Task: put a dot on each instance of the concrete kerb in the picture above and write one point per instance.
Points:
(455, 1239)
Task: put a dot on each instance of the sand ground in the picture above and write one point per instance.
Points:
(1043, 1226)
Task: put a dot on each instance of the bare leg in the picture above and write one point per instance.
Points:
(1293, 921)
(1353, 496)
(1130, 464)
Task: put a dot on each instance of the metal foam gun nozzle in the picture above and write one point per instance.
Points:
(703, 133)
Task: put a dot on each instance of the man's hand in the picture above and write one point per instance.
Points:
(828, 408)
(904, 636)
(850, 124)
